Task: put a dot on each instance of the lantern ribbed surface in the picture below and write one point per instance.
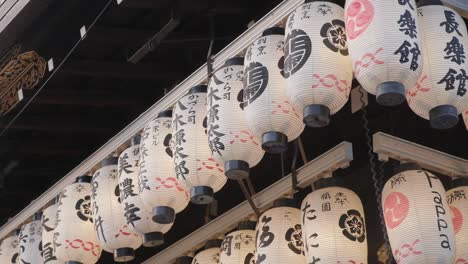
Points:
(317, 67)
(207, 256)
(265, 102)
(9, 250)
(159, 185)
(194, 165)
(238, 247)
(138, 216)
(76, 242)
(110, 223)
(30, 243)
(417, 218)
(228, 136)
(279, 236)
(457, 199)
(385, 47)
(334, 227)
(442, 82)
(49, 222)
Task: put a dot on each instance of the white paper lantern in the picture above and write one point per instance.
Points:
(279, 234)
(210, 255)
(74, 238)
(317, 67)
(457, 199)
(440, 94)
(30, 242)
(270, 115)
(385, 47)
(160, 189)
(110, 224)
(334, 227)
(417, 217)
(9, 250)
(238, 247)
(49, 222)
(139, 217)
(230, 140)
(195, 168)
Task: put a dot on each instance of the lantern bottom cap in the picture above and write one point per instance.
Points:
(274, 142)
(163, 215)
(124, 254)
(390, 93)
(201, 195)
(73, 262)
(153, 239)
(316, 115)
(236, 169)
(443, 117)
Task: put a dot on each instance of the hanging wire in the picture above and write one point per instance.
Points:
(250, 185)
(376, 178)
(56, 70)
(248, 196)
(293, 166)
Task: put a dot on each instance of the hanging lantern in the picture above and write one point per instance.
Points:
(139, 218)
(30, 241)
(319, 78)
(110, 224)
(279, 234)
(184, 260)
(76, 243)
(49, 222)
(457, 199)
(417, 217)
(385, 47)
(440, 92)
(238, 247)
(9, 249)
(230, 141)
(210, 254)
(269, 113)
(333, 224)
(195, 168)
(160, 189)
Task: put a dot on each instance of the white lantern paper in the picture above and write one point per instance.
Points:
(139, 217)
(195, 168)
(440, 94)
(74, 237)
(210, 255)
(270, 115)
(30, 242)
(9, 250)
(230, 141)
(110, 224)
(385, 47)
(417, 217)
(279, 234)
(457, 199)
(160, 189)
(334, 227)
(238, 247)
(317, 67)
(49, 222)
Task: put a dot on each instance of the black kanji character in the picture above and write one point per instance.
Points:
(451, 25)
(130, 213)
(455, 51)
(127, 188)
(408, 24)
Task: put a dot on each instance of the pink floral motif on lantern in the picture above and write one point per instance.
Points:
(242, 137)
(457, 219)
(367, 60)
(331, 81)
(359, 16)
(396, 208)
(170, 183)
(419, 87)
(283, 107)
(407, 250)
(86, 246)
(125, 231)
(461, 261)
(209, 164)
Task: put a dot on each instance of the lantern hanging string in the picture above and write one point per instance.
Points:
(293, 165)
(248, 196)
(377, 179)
(250, 185)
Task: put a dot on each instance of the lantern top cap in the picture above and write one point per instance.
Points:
(285, 202)
(184, 260)
(247, 225)
(165, 113)
(201, 88)
(213, 243)
(234, 61)
(84, 179)
(460, 182)
(273, 31)
(330, 182)
(422, 3)
(330, 1)
(406, 167)
(135, 140)
(110, 161)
